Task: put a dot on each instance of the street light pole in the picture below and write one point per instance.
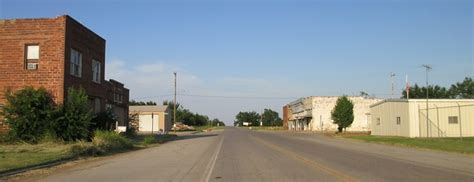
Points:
(428, 68)
(174, 105)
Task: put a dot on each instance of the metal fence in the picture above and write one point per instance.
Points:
(446, 121)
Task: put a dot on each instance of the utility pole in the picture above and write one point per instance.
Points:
(174, 105)
(392, 75)
(428, 68)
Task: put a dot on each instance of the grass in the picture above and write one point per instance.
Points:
(466, 145)
(13, 156)
(20, 155)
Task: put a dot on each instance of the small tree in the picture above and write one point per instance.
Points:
(74, 117)
(104, 120)
(343, 114)
(28, 112)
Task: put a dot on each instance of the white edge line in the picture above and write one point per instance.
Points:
(214, 160)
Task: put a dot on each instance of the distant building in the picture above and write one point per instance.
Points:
(314, 113)
(286, 116)
(151, 119)
(408, 118)
(57, 54)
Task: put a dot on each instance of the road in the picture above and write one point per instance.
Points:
(237, 154)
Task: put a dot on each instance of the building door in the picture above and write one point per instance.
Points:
(148, 123)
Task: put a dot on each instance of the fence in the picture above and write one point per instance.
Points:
(446, 121)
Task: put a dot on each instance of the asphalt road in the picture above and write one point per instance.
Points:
(242, 155)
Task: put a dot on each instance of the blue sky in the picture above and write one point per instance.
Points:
(266, 48)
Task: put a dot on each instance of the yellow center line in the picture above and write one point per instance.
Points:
(313, 164)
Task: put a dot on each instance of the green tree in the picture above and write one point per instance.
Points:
(343, 114)
(28, 112)
(216, 122)
(73, 119)
(103, 120)
(250, 117)
(180, 113)
(271, 118)
(463, 90)
(141, 103)
(435, 92)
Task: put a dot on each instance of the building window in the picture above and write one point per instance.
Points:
(96, 105)
(96, 71)
(453, 120)
(32, 57)
(76, 63)
(108, 106)
(378, 121)
(399, 120)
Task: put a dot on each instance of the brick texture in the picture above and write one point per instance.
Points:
(55, 37)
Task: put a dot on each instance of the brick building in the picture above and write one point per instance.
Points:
(58, 53)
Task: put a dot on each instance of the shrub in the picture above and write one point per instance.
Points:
(107, 141)
(104, 121)
(149, 140)
(27, 113)
(72, 119)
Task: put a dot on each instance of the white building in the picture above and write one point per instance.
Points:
(314, 113)
(401, 117)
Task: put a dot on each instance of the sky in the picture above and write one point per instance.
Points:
(247, 55)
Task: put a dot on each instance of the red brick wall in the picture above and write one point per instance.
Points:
(91, 46)
(285, 117)
(49, 35)
(14, 36)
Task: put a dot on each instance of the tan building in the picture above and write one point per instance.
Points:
(314, 113)
(151, 119)
(408, 118)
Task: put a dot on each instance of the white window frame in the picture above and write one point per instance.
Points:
(76, 63)
(96, 67)
(32, 56)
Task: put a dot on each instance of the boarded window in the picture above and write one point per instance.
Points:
(453, 120)
(399, 120)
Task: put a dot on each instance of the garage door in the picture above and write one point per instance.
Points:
(145, 123)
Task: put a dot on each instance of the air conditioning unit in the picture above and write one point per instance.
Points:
(32, 66)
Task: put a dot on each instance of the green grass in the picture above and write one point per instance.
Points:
(466, 145)
(18, 155)
(13, 156)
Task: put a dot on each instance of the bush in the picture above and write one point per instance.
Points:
(149, 140)
(107, 141)
(27, 113)
(104, 121)
(72, 120)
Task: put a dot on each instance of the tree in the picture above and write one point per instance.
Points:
(249, 117)
(271, 118)
(179, 110)
(216, 122)
(364, 94)
(435, 92)
(141, 103)
(73, 119)
(28, 113)
(343, 113)
(463, 90)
